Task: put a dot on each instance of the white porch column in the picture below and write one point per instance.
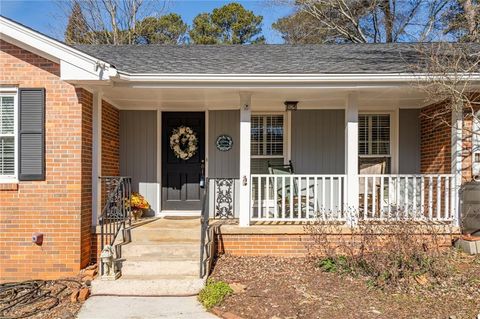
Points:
(96, 157)
(245, 118)
(457, 124)
(351, 158)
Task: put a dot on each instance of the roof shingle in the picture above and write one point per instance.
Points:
(258, 59)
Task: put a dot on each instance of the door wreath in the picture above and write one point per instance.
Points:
(183, 142)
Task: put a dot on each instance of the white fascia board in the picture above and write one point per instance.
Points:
(79, 65)
(280, 78)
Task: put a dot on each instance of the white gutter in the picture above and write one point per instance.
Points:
(273, 78)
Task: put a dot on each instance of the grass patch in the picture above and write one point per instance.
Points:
(214, 293)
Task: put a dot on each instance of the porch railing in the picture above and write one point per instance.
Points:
(116, 209)
(381, 197)
(414, 197)
(297, 197)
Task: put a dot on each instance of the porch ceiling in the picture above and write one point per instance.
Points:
(262, 98)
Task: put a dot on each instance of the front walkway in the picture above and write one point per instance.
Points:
(107, 307)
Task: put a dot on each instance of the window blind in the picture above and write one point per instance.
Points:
(7, 136)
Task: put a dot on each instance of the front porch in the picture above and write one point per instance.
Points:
(356, 155)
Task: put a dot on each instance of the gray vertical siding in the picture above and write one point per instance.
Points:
(223, 164)
(318, 141)
(138, 152)
(409, 141)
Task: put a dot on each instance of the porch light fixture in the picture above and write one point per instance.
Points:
(291, 105)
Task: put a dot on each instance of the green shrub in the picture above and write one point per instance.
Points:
(214, 293)
(334, 264)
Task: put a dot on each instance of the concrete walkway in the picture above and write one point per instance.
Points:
(107, 307)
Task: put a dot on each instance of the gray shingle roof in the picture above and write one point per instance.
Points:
(258, 59)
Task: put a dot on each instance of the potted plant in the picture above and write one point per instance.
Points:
(138, 203)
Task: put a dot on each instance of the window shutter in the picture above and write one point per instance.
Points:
(31, 135)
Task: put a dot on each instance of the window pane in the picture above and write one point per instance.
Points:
(274, 135)
(6, 115)
(363, 134)
(267, 135)
(374, 134)
(7, 156)
(256, 135)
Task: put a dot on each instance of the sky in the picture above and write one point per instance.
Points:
(46, 16)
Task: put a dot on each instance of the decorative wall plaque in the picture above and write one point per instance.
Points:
(224, 143)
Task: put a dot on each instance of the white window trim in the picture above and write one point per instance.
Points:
(12, 91)
(286, 140)
(394, 118)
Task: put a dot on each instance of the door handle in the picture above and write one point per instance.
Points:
(202, 176)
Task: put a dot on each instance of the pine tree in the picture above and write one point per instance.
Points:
(77, 29)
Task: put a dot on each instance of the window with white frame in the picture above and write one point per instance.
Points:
(8, 109)
(267, 141)
(374, 139)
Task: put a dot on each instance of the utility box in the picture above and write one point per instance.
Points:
(470, 218)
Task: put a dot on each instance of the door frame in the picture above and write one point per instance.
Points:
(160, 211)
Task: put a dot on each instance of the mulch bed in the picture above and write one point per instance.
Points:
(294, 288)
(41, 299)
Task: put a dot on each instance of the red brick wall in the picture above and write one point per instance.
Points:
(435, 140)
(59, 206)
(110, 140)
(285, 245)
(86, 99)
(110, 158)
(295, 245)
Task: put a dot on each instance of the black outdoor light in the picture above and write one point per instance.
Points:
(291, 105)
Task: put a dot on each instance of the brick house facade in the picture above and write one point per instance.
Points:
(62, 206)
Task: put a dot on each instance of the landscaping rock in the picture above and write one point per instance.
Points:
(74, 295)
(84, 294)
(90, 272)
(237, 287)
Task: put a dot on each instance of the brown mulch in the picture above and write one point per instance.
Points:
(294, 288)
(42, 299)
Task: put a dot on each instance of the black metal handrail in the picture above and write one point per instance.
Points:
(223, 209)
(204, 219)
(116, 210)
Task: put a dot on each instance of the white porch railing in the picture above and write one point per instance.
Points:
(381, 197)
(415, 197)
(297, 197)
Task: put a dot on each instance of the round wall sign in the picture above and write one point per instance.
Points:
(224, 143)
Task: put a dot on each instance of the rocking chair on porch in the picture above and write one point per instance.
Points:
(286, 169)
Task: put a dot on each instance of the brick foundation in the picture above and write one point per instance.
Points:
(294, 241)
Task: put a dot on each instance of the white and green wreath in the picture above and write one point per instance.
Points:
(183, 142)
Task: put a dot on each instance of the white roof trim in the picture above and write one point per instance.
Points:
(274, 78)
(75, 65)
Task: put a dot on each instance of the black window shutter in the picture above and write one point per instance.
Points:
(31, 135)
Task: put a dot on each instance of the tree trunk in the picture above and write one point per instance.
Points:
(389, 17)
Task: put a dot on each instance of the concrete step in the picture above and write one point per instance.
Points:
(161, 267)
(165, 235)
(168, 224)
(148, 286)
(182, 250)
